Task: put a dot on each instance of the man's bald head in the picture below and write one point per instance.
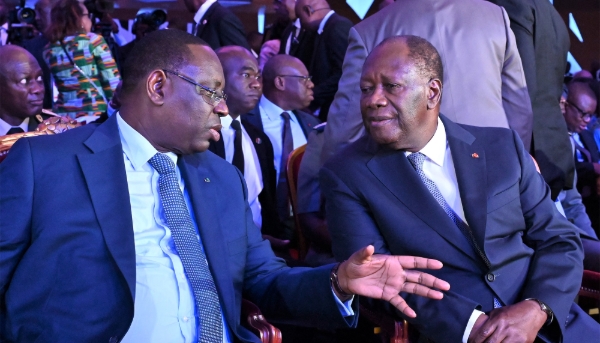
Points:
(311, 12)
(286, 82)
(21, 83)
(243, 83)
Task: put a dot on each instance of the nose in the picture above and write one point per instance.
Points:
(255, 83)
(310, 84)
(37, 87)
(221, 109)
(376, 99)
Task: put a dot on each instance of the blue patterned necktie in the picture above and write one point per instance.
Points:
(188, 247)
(417, 159)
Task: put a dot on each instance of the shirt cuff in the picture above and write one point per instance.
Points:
(345, 307)
(474, 316)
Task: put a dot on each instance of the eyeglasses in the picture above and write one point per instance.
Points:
(305, 79)
(210, 97)
(584, 115)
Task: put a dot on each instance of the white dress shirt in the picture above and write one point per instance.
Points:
(324, 21)
(3, 33)
(439, 168)
(577, 141)
(201, 12)
(270, 114)
(252, 171)
(4, 126)
(294, 35)
(165, 310)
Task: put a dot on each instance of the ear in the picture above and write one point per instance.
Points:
(155, 87)
(307, 9)
(562, 104)
(279, 83)
(434, 93)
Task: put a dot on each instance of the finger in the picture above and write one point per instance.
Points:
(486, 331)
(413, 262)
(426, 280)
(363, 255)
(418, 289)
(398, 302)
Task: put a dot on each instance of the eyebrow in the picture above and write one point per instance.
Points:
(248, 68)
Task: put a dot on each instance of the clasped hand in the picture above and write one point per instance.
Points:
(384, 277)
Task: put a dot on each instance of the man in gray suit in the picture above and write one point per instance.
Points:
(485, 84)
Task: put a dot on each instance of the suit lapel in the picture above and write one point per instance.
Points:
(389, 167)
(469, 163)
(218, 147)
(104, 172)
(205, 19)
(202, 194)
(253, 118)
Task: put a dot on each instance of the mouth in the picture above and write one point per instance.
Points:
(380, 120)
(37, 102)
(214, 132)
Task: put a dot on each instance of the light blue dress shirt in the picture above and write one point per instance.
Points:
(164, 301)
(270, 114)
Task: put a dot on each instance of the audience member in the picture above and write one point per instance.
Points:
(37, 44)
(287, 89)
(269, 49)
(140, 29)
(470, 196)
(81, 63)
(243, 145)
(216, 25)
(330, 46)
(148, 228)
(22, 91)
(482, 59)
(295, 41)
(543, 42)
(578, 109)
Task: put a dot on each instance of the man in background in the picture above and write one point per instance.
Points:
(216, 25)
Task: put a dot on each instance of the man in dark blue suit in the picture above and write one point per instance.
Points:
(468, 196)
(129, 231)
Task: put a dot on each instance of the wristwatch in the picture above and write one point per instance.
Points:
(546, 309)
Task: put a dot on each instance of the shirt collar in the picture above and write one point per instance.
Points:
(202, 10)
(324, 21)
(297, 23)
(227, 120)
(435, 149)
(273, 111)
(4, 126)
(136, 147)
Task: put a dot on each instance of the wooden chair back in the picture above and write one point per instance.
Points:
(253, 320)
(293, 168)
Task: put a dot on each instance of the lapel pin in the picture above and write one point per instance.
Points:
(475, 155)
(206, 179)
(39, 118)
(258, 140)
(204, 22)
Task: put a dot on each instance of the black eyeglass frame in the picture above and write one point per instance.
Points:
(583, 115)
(215, 99)
(304, 78)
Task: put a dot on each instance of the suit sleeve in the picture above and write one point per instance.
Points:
(555, 269)
(336, 46)
(344, 121)
(231, 32)
(352, 226)
(288, 295)
(16, 199)
(515, 96)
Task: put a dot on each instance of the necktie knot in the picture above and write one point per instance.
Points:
(417, 159)
(162, 163)
(286, 116)
(236, 125)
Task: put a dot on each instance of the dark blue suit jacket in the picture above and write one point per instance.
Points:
(373, 195)
(307, 121)
(67, 254)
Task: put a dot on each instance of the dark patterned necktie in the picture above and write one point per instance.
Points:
(15, 130)
(238, 153)
(188, 247)
(417, 159)
(283, 207)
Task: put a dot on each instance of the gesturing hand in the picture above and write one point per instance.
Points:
(514, 323)
(384, 277)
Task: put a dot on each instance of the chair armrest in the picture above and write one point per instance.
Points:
(253, 320)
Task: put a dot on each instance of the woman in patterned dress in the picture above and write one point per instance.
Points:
(69, 33)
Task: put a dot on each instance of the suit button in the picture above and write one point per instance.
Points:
(113, 339)
(490, 277)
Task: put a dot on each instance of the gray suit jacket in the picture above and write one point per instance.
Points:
(484, 83)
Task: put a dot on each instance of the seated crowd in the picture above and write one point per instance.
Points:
(422, 174)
